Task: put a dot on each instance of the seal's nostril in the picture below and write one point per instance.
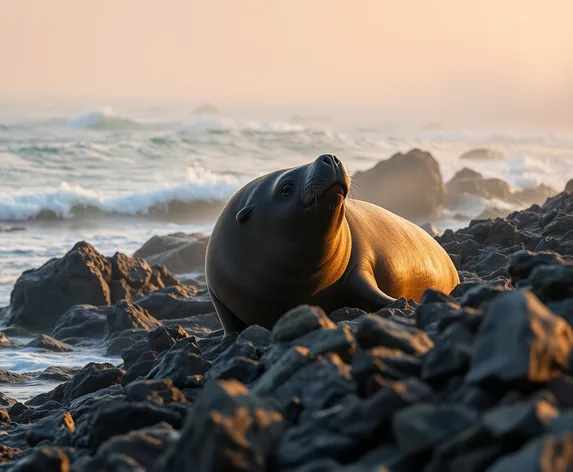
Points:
(336, 161)
(327, 160)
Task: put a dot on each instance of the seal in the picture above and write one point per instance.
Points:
(293, 237)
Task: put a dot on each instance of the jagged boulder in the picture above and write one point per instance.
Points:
(81, 277)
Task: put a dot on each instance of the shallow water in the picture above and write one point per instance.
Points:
(22, 360)
(111, 177)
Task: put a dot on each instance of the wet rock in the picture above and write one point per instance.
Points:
(57, 373)
(164, 338)
(175, 303)
(401, 310)
(181, 253)
(346, 314)
(375, 331)
(471, 450)
(338, 341)
(142, 446)
(423, 426)
(239, 362)
(4, 416)
(553, 282)
(126, 315)
(46, 459)
(8, 454)
(5, 342)
(122, 340)
(521, 420)
(120, 417)
(157, 340)
(451, 354)
(347, 430)
(520, 340)
(141, 368)
(522, 263)
(215, 344)
(47, 343)
(436, 307)
(200, 326)
(91, 378)
(181, 364)
(389, 364)
(7, 377)
(20, 413)
(6, 401)
(479, 295)
(138, 277)
(228, 428)
(56, 426)
(258, 336)
(547, 452)
(300, 321)
(82, 277)
(42, 295)
(294, 359)
(317, 386)
(81, 321)
(408, 184)
(158, 391)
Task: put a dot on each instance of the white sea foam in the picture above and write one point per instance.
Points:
(102, 118)
(230, 124)
(66, 200)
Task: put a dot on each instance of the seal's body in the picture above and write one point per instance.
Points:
(292, 237)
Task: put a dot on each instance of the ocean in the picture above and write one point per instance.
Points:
(117, 176)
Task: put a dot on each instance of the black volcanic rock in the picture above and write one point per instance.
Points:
(81, 277)
(49, 344)
(181, 253)
(228, 428)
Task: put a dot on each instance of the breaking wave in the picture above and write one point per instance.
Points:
(104, 118)
(201, 195)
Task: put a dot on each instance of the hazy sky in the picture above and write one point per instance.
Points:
(285, 51)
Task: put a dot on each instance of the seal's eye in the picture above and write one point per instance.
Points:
(286, 189)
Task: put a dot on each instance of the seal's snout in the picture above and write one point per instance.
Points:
(330, 171)
(329, 160)
(327, 181)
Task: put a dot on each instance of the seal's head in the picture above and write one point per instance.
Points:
(282, 237)
(298, 202)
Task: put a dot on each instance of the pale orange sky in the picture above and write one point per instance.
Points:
(281, 51)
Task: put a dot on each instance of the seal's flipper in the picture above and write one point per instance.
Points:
(364, 292)
(231, 324)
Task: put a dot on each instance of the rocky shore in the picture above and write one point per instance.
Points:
(479, 379)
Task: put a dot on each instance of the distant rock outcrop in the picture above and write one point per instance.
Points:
(470, 182)
(482, 154)
(206, 109)
(408, 184)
